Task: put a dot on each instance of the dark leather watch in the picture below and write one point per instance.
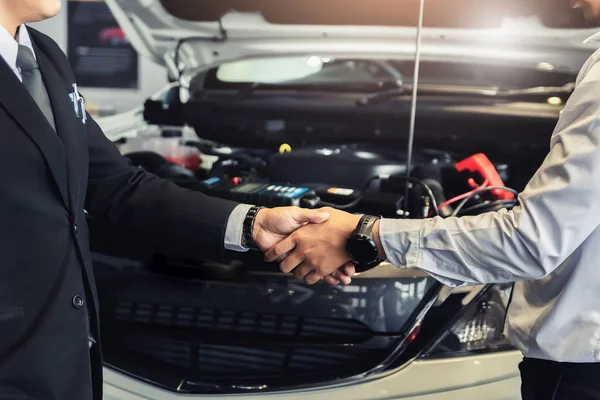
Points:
(248, 228)
(361, 246)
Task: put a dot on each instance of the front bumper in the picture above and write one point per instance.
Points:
(490, 377)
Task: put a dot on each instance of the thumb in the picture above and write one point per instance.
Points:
(312, 216)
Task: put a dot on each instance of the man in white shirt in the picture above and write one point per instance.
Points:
(549, 246)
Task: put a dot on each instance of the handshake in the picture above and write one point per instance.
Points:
(311, 244)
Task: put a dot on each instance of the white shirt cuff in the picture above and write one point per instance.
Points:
(235, 228)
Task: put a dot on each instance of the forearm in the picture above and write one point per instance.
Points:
(171, 219)
(483, 249)
(378, 242)
(528, 242)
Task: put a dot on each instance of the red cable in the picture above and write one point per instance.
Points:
(464, 195)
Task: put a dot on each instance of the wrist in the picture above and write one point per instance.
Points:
(261, 215)
(363, 245)
(251, 227)
(353, 221)
(377, 239)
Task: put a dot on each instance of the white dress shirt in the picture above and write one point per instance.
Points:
(549, 244)
(9, 48)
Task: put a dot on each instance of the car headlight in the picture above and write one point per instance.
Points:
(477, 328)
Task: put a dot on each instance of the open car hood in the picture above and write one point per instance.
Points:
(188, 36)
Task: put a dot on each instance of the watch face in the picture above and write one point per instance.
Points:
(362, 249)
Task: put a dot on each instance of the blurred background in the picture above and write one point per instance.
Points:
(109, 73)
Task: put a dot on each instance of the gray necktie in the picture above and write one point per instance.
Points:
(32, 80)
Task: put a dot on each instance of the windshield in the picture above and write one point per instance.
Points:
(313, 70)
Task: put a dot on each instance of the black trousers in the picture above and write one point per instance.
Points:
(550, 380)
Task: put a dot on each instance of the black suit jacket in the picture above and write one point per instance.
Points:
(46, 182)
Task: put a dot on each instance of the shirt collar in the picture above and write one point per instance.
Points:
(9, 46)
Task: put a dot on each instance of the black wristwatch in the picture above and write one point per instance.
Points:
(361, 246)
(248, 228)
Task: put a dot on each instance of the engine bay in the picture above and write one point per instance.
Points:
(358, 178)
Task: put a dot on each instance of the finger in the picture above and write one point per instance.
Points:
(349, 269)
(290, 263)
(283, 257)
(313, 278)
(285, 246)
(331, 280)
(313, 216)
(302, 271)
(342, 277)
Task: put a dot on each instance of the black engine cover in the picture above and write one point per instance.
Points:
(347, 166)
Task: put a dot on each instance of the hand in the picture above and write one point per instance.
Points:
(315, 251)
(272, 225)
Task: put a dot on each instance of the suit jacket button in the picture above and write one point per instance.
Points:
(75, 228)
(78, 301)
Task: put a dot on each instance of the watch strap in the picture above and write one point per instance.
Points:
(366, 224)
(248, 228)
(365, 228)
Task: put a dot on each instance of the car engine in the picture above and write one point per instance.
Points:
(359, 178)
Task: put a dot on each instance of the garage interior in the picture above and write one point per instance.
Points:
(405, 110)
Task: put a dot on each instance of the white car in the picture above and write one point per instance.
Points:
(274, 103)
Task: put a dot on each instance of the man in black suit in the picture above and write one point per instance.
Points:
(54, 163)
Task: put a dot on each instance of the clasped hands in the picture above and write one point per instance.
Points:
(311, 244)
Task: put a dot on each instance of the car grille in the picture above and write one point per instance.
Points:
(202, 337)
(242, 323)
(252, 359)
(233, 349)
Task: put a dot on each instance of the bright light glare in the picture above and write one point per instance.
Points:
(545, 66)
(554, 101)
(366, 155)
(314, 62)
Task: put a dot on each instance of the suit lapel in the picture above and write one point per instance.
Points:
(67, 124)
(23, 109)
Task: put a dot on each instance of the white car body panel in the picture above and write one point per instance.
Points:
(489, 377)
